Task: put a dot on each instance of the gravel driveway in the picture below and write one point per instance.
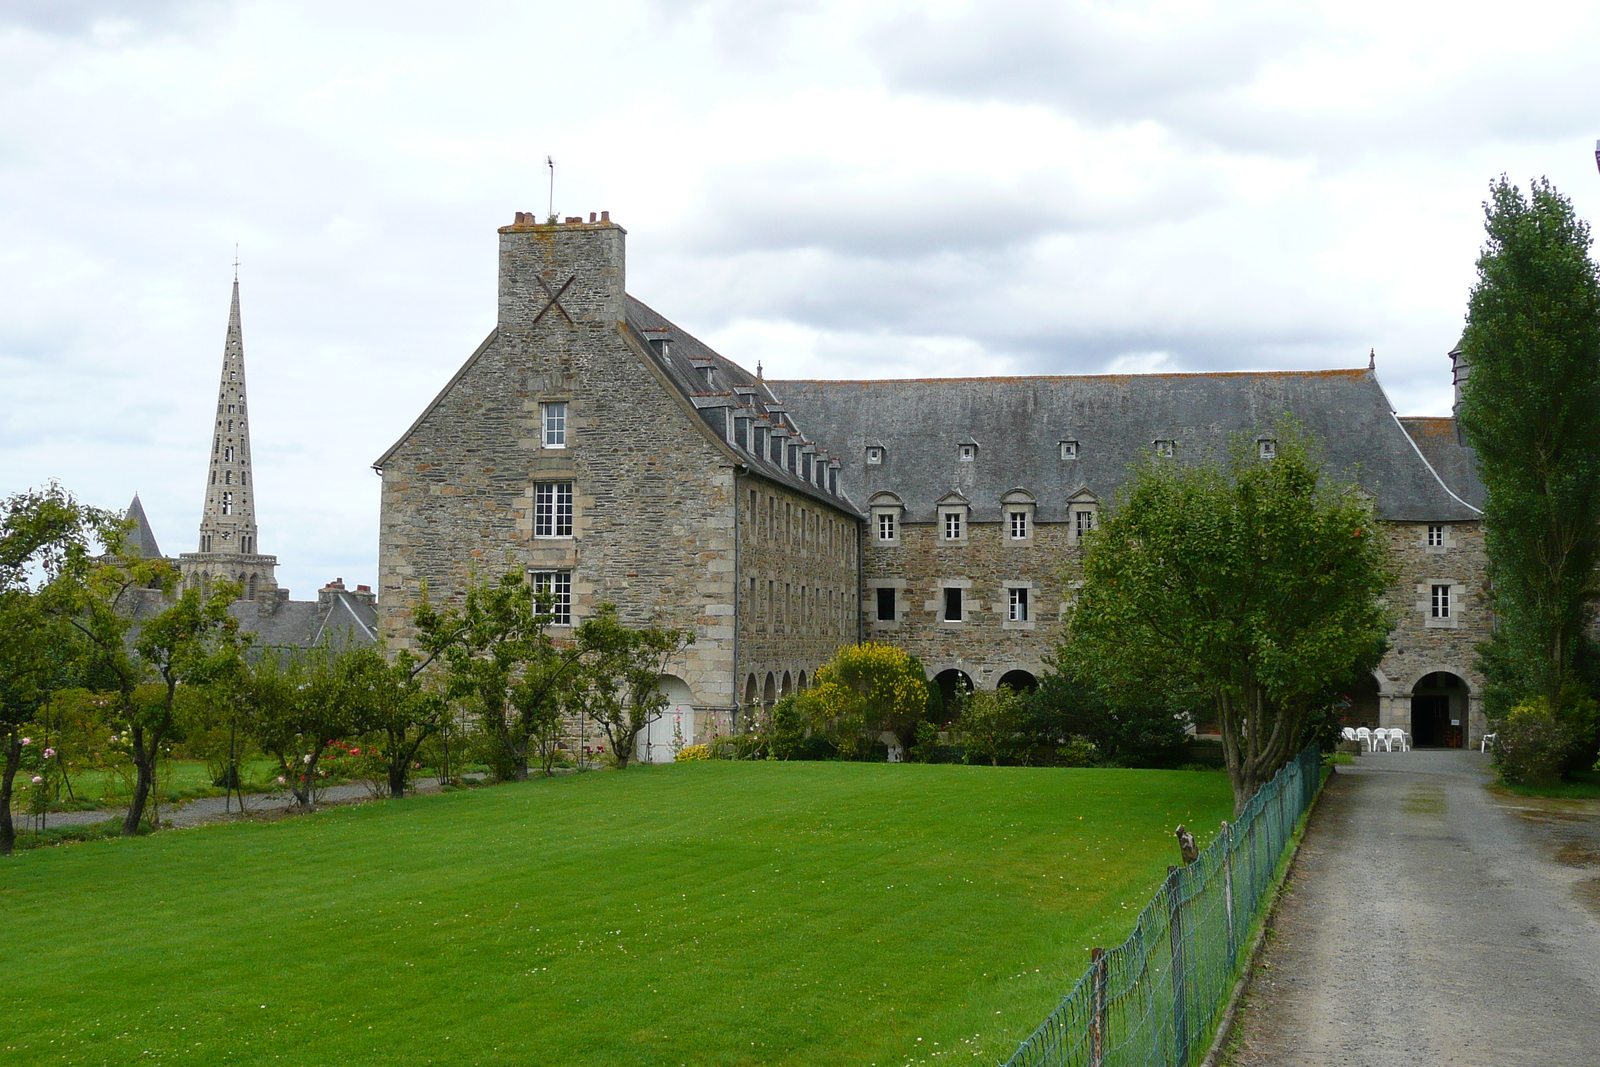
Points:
(213, 809)
(1429, 922)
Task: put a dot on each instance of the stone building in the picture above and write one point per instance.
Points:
(614, 457)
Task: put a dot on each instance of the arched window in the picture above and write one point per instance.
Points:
(227, 503)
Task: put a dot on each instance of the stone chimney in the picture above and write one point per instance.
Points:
(326, 595)
(1459, 369)
(562, 275)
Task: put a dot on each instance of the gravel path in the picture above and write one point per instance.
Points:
(1429, 922)
(212, 809)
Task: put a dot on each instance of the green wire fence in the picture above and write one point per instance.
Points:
(1156, 999)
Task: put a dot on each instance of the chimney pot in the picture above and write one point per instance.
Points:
(591, 216)
(605, 216)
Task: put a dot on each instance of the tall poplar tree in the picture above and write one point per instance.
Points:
(1531, 409)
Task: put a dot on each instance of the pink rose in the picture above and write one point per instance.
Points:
(49, 753)
(37, 779)
(27, 740)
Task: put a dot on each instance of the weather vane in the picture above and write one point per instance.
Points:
(550, 162)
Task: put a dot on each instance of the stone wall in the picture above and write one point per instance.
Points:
(652, 493)
(799, 591)
(986, 644)
(1421, 645)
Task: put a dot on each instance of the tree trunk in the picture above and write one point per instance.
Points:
(8, 832)
(144, 764)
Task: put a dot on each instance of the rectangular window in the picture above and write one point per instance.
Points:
(1069, 450)
(886, 523)
(552, 509)
(1436, 536)
(227, 503)
(1165, 448)
(554, 416)
(952, 526)
(1441, 601)
(886, 612)
(1019, 525)
(1083, 522)
(1019, 604)
(227, 454)
(952, 605)
(554, 590)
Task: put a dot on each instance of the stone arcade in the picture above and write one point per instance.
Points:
(616, 458)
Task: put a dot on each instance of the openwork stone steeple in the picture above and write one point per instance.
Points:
(228, 548)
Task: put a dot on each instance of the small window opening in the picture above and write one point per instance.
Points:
(1267, 448)
(952, 526)
(886, 612)
(969, 452)
(952, 605)
(1436, 536)
(554, 417)
(1441, 601)
(1069, 450)
(1083, 522)
(886, 526)
(1019, 604)
(1165, 448)
(1019, 525)
(874, 457)
(227, 505)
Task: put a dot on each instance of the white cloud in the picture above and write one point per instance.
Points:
(891, 189)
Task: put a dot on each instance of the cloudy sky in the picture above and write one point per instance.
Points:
(842, 189)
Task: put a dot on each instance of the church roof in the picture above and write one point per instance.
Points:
(141, 538)
(1018, 425)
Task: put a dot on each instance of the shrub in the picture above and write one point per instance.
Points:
(689, 753)
(1531, 744)
(1078, 752)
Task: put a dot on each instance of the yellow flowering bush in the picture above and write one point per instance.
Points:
(864, 690)
(692, 752)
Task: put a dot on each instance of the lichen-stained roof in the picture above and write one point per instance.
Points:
(1018, 425)
(733, 389)
(1450, 459)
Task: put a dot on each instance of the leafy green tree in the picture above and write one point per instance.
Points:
(501, 663)
(297, 703)
(1139, 729)
(1530, 408)
(864, 690)
(620, 686)
(991, 724)
(43, 534)
(391, 699)
(1250, 580)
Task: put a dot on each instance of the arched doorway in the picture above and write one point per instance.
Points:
(1439, 710)
(800, 683)
(953, 684)
(661, 738)
(788, 685)
(1020, 681)
(769, 693)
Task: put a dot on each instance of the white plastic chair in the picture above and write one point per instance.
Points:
(1364, 735)
(1348, 733)
(1380, 736)
(1483, 742)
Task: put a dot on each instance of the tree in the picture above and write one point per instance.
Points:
(500, 662)
(1137, 729)
(991, 723)
(864, 690)
(1252, 581)
(620, 687)
(43, 533)
(1530, 408)
(391, 699)
(297, 703)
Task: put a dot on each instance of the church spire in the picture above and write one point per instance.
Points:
(228, 548)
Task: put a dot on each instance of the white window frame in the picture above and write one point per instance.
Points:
(1017, 604)
(552, 510)
(1076, 527)
(968, 452)
(1019, 526)
(1069, 450)
(1439, 598)
(1267, 448)
(874, 456)
(559, 585)
(953, 516)
(553, 423)
(1164, 447)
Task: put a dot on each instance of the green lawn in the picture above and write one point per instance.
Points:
(705, 913)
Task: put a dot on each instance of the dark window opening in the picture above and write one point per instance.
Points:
(886, 612)
(952, 605)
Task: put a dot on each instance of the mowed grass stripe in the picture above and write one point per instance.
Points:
(710, 913)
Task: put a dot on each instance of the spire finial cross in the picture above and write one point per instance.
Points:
(235, 262)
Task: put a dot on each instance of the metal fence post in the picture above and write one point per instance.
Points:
(1227, 890)
(1097, 1007)
(1180, 1014)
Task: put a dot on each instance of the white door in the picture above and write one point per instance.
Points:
(660, 740)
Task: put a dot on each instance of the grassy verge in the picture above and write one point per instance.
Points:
(709, 913)
(1583, 785)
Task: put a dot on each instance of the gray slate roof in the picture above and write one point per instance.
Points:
(1018, 425)
(300, 623)
(141, 539)
(731, 392)
(1452, 461)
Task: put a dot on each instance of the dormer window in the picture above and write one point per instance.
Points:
(1069, 450)
(874, 456)
(954, 525)
(1165, 448)
(969, 452)
(1267, 448)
